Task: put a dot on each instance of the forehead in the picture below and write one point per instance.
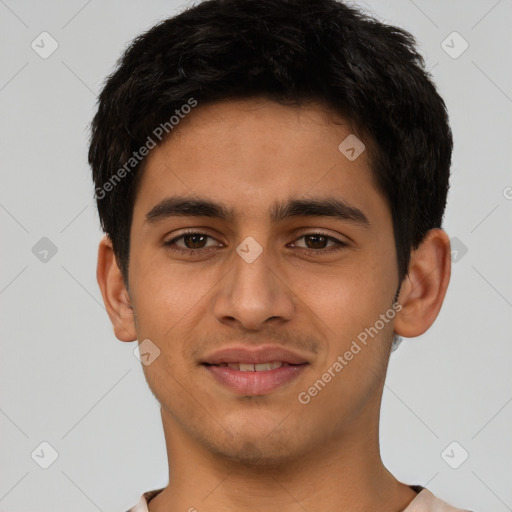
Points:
(251, 154)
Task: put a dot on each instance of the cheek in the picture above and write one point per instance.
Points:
(167, 295)
(346, 305)
(351, 294)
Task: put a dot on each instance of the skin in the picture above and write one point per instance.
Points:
(229, 452)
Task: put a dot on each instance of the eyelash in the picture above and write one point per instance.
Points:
(316, 252)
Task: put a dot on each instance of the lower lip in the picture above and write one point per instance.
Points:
(255, 383)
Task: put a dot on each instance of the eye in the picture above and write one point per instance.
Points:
(316, 243)
(192, 242)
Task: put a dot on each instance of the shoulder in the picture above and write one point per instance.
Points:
(427, 502)
(142, 505)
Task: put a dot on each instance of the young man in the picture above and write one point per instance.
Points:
(272, 176)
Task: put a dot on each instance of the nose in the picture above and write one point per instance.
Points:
(253, 293)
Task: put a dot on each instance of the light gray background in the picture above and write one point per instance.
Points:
(64, 377)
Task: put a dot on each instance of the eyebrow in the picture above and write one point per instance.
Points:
(183, 206)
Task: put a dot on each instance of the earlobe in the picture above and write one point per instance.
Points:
(424, 289)
(114, 292)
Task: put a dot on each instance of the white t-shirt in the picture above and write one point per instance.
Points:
(424, 502)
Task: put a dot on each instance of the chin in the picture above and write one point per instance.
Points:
(252, 455)
(264, 448)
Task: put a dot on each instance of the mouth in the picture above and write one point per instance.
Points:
(258, 367)
(254, 370)
(255, 379)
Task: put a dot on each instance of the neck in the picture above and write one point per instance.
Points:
(342, 474)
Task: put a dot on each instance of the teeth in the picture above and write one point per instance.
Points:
(268, 366)
(248, 367)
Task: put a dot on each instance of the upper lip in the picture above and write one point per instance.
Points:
(256, 355)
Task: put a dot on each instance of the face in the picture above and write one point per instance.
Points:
(256, 240)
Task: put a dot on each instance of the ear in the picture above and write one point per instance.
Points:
(114, 292)
(424, 288)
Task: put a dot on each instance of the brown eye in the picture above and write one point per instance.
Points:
(194, 241)
(316, 241)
